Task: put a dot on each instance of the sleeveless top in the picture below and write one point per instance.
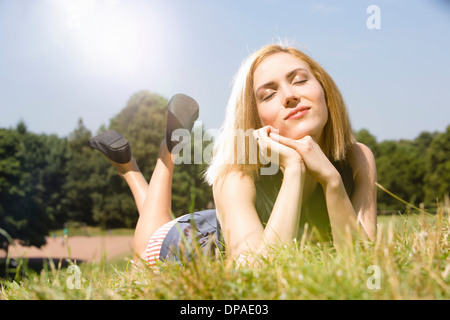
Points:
(314, 210)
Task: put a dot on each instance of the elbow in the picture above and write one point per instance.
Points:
(371, 232)
(246, 254)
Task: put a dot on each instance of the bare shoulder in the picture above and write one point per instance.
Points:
(361, 159)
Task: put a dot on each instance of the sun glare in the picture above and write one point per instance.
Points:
(104, 34)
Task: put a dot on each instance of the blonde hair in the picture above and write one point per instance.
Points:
(242, 115)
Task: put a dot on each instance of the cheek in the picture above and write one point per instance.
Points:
(267, 116)
(318, 96)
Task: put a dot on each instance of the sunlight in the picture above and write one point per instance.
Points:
(105, 34)
(112, 39)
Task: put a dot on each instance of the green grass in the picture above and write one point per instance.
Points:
(411, 257)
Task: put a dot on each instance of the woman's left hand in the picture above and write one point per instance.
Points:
(317, 164)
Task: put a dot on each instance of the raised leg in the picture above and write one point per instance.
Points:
(156, 209)
(135, 180)
(154, 199)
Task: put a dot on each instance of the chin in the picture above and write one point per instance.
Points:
(299, 131)
(295, 134)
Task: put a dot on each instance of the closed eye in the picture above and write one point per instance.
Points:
(300, 82)
(267, 98)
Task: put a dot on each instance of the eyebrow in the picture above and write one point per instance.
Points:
(288, 75)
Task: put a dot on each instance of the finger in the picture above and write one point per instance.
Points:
(263, 139)
(283, 140)
(258, 133)
(265, 142)
(259, 137)
(269, 129)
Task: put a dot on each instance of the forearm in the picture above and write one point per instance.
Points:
(343, 219)
(282, 226)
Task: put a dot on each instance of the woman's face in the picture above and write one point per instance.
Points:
(289, 98)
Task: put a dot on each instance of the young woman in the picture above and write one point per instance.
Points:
(325, 180)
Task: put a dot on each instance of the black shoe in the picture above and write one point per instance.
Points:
(112, 145)
(183, 111)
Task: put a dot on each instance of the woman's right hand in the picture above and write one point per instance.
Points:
(285, 157)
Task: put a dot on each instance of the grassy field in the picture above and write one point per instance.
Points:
(409, 260)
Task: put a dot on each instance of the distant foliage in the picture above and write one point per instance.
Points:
(417, 171)
(31, 178)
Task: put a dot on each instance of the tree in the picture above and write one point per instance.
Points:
(24, 210)
(401, 169)
(438, 167)
(83, 182)
(10, 178)
(54, 176)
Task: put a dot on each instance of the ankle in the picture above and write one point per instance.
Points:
(165, 155)
(123, 168)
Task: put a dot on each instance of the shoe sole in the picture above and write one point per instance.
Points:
(182, 113)
(112, 145)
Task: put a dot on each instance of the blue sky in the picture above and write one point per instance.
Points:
(61, 60)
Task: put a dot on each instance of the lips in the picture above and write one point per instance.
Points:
(297, 113)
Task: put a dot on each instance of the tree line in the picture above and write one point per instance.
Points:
(47, 181)
(416, 171)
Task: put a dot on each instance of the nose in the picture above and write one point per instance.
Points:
(291, 101)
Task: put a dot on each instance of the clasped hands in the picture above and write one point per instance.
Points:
(304, 154)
